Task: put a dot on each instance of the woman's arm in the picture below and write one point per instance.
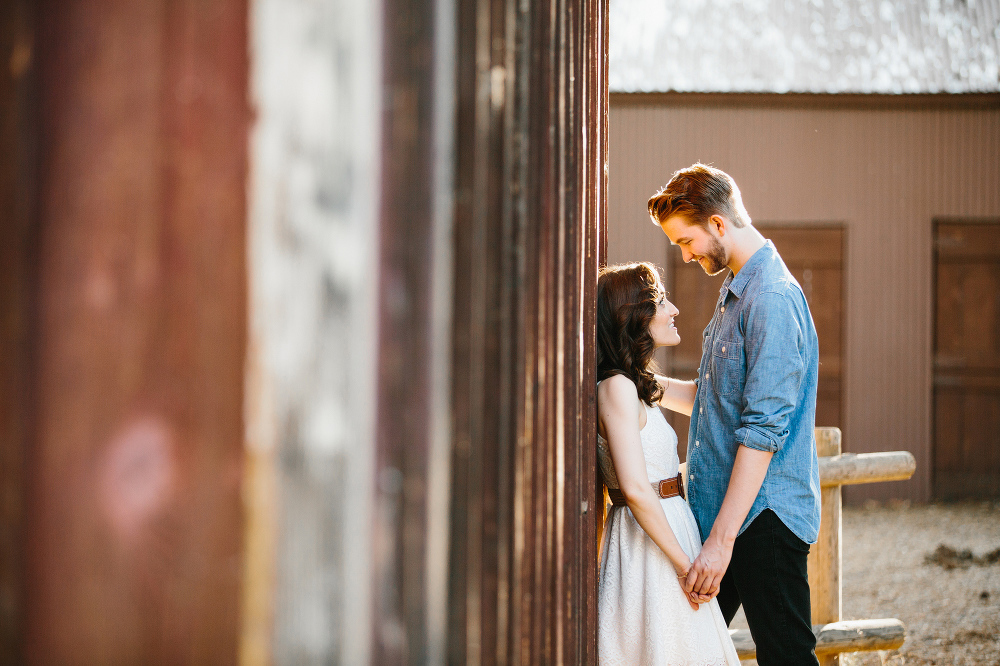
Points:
(678, 395)
(619, 408)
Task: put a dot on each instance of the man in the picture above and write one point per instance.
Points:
(753, 480)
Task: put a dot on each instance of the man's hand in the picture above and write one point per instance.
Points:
(705, 575)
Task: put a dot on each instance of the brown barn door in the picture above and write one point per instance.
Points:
(967, 361)
(814, 255)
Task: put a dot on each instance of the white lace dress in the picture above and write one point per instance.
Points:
(643, 617)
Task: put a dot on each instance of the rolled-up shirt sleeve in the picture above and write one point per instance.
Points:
(775, 368)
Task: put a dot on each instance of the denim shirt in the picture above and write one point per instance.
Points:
(756, 387)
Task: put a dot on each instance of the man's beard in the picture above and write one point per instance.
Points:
(715, 258)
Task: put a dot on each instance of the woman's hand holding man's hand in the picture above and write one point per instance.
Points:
(682, 579)
(705, 575)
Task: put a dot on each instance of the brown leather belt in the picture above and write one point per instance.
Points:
(666, 488)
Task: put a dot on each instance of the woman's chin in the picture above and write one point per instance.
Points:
(670, 340)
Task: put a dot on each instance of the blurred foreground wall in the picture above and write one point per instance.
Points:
(133, 529)
(310, 382)
(297, 319)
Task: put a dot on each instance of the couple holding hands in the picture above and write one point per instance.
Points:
(677, 563)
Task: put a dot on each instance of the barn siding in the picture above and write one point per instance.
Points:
(884, 169)
(18, 292)
(133, 506)
(529, 193)
(311, 362)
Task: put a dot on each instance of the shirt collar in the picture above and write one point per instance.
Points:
(737, 283)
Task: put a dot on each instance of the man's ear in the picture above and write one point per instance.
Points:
(718, 223)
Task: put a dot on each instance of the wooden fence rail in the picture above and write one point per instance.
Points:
(838, 469)
(833, 636)
(849, 469)
(836, 637)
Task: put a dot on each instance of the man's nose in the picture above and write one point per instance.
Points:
(686, 255)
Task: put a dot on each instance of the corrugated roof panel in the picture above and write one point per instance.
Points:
(820, 46)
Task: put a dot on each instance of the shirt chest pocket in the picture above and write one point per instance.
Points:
(728, 367)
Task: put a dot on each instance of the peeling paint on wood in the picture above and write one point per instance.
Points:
(310, 405)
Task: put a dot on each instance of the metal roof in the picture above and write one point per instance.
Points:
(820, 46)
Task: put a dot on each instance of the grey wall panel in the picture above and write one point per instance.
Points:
(312, 357)
(885, 172)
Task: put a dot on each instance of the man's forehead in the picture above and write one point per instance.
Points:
(678, 228)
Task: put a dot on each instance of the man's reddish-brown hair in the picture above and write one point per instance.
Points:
(699, 192)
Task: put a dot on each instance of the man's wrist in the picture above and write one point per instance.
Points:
(724, 535)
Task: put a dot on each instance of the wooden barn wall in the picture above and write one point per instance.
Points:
(529, 206)
(133, 505)
(316, 82)
(18, 292)
(412, 434)
(883, 167)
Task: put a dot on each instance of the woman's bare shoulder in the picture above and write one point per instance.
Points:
(617, 393)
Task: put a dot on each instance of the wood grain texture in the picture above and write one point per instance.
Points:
(312, 359)
(836, 637)
(825, 563)
(528, 233)
(135, 515)
(18, 298)
(966, 359)
(854, 468)
(405, 309)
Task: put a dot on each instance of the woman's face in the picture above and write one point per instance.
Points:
(662, 328)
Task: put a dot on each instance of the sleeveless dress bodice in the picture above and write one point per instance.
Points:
(659, 448)
(643, 615)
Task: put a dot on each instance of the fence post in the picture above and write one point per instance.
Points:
(825, 555)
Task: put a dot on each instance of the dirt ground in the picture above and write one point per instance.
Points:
(893, 568)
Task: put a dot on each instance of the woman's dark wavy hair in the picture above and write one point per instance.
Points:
(626, 303)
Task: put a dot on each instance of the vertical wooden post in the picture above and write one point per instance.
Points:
(18, 290)
(825, 555)
(133, 515)
(529, 210)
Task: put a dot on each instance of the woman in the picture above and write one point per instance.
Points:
(650, 538)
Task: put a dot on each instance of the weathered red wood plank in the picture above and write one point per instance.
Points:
(135, 514)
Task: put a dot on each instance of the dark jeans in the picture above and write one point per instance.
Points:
(768, 576)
